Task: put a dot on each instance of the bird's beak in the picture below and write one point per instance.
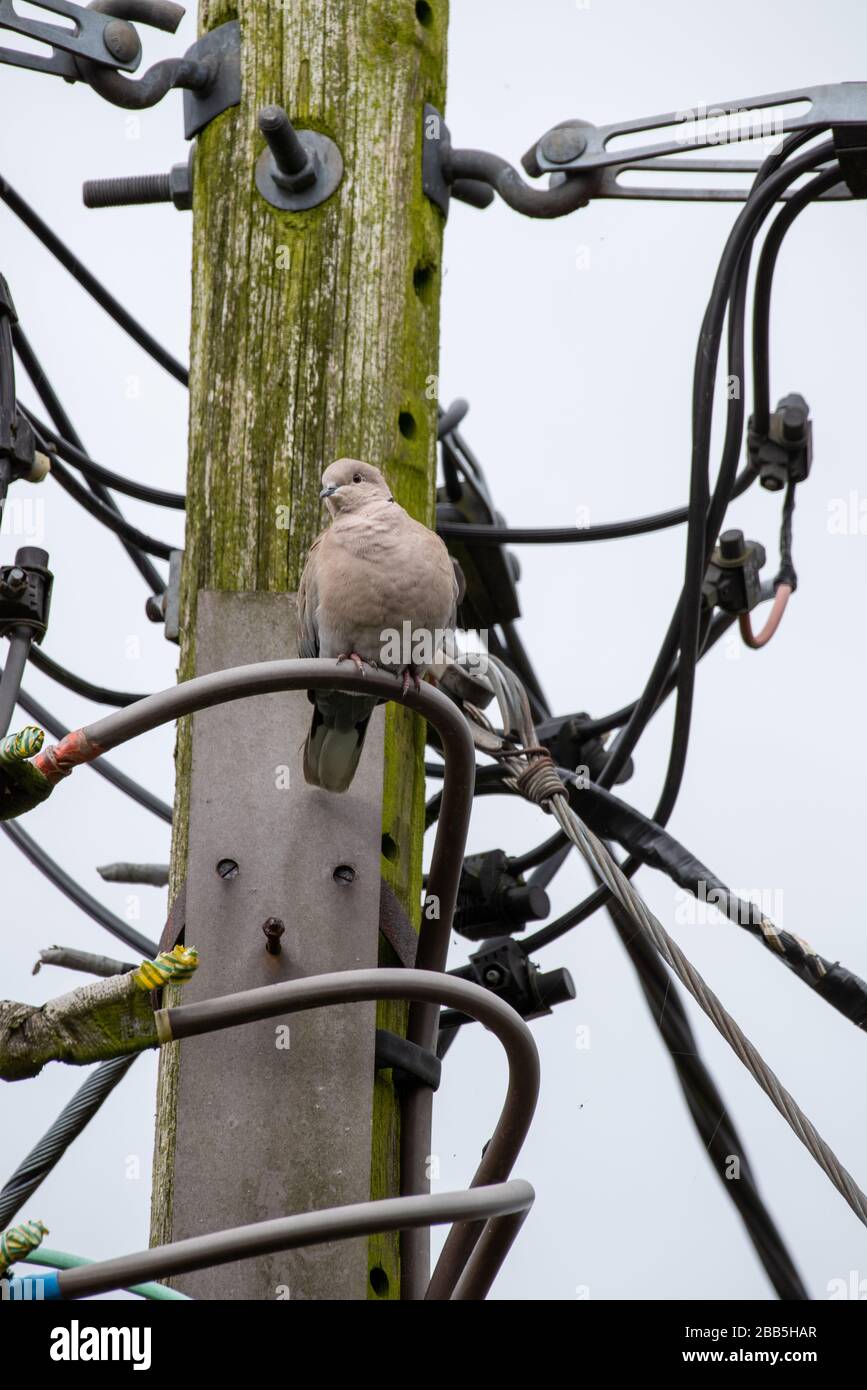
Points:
(327, 491)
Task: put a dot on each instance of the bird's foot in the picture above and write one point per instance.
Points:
(410, 678)
(357, 660)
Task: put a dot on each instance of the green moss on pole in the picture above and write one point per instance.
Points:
(314, 336)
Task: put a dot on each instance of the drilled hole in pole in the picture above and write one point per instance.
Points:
(424, 13)
(379, 1281)
(406, 424)
(422, 279)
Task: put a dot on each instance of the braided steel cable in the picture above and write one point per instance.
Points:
(612, 876)
(72, 1120)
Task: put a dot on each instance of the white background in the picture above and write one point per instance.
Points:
(580, 382)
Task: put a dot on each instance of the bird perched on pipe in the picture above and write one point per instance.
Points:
(378, 588)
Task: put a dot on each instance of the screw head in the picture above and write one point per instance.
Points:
(16, 580)
(561, 145)
(273, 929)
(493, 975)
(121, 40)
(344, 873)
(228, 868)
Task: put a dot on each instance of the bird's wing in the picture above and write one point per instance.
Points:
(308, 602)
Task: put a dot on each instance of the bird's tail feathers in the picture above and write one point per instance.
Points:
(336, 738)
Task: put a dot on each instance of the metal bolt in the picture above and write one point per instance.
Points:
(121, 40)
(731, 544)
(16, 581)
(273, 929)
(294, 167)
(562, 145)
(174, 187)
(344, 873)
(228, 868)
(494, 975)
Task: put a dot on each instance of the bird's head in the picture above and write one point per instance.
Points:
(349, 485)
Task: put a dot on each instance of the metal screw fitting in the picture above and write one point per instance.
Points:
(228, 868)
(273, 929)
(344, 873)
(174, 187)
(295, 167)
(299, 168)
(562, 144)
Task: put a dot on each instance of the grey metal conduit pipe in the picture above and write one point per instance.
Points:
(458, 784)
(492, 1206)
(290, 1232)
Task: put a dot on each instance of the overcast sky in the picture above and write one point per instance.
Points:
(574, 342)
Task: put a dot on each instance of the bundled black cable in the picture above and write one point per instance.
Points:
(721, 1140)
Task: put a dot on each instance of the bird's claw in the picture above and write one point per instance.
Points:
(410, 678)
(358, 661)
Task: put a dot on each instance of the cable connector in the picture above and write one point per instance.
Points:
(25, 592)
(491, 900)
(784, 454)
(571, 747)
(732, 582)
(502, 966)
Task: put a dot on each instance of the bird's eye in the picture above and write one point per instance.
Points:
(356, 477)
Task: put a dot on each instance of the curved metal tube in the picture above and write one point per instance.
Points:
(288, 1233)
(145, 91)
(459, 780)
(493, 1205)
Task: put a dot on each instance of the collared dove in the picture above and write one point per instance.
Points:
(378, 588)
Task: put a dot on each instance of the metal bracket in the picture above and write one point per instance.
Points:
(166, 607)
(435, 140)
(411, 1064)
(435, 144)
(224, 45)
(99, 37)
(836, 104)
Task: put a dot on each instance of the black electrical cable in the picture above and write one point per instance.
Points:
(108, 516)
(764, 284)
(64, 425)
(75, 892)
(721, 1140)
(99, 694)
(479, 534)
(716, 628)
(522, 863)
(50, 441)
(20, 643)
(89, 282)
(47, 1153)
(105, 769)
(770, 180)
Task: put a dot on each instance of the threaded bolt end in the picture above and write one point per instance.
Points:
(118, 193)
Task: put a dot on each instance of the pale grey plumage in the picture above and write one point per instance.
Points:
(372, 571)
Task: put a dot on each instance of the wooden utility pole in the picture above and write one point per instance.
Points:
(314, 336)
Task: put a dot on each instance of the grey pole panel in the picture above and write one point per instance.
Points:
(264, 1131)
